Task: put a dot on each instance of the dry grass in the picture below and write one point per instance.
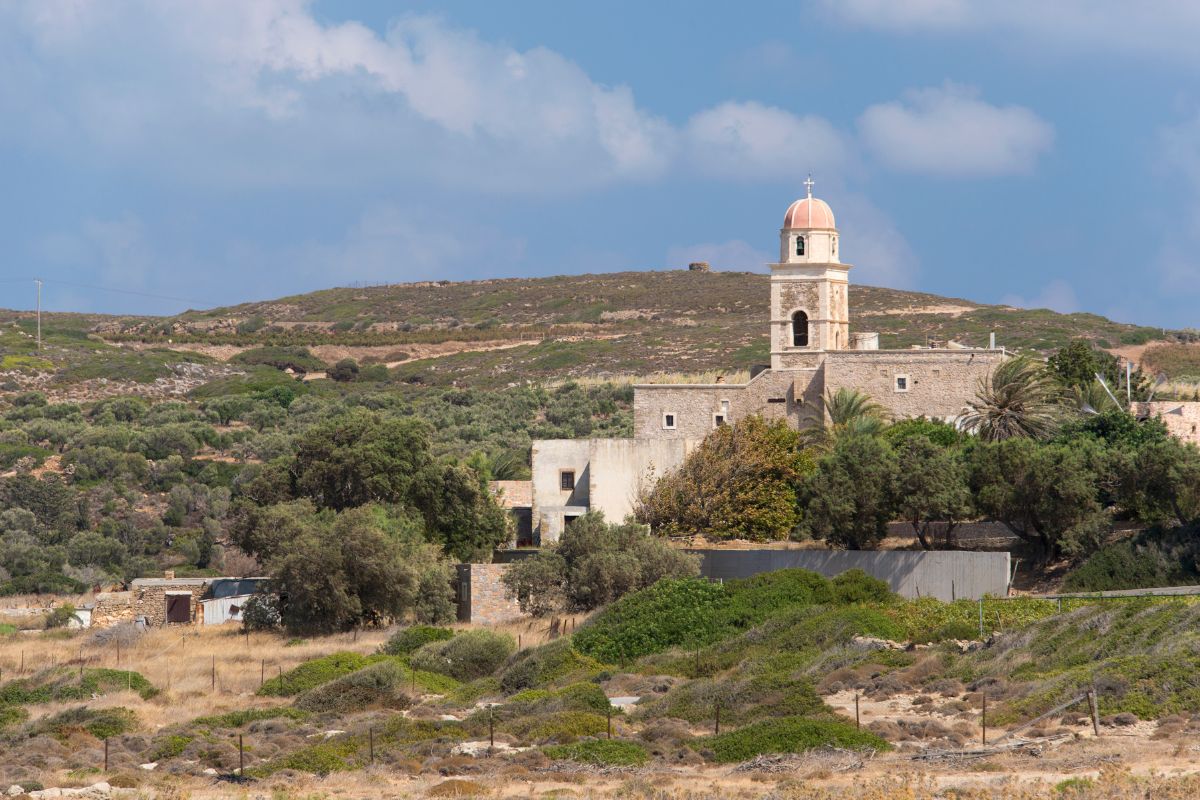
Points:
(731, 376)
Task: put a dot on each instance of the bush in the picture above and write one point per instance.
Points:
(379, 685)
(61, 617)
(752, 600)
(594, 564)
(601, 752)
(313, 673)
(101, 723)
(575, 697)
(468, 656)
(261, 613)
(789, 735)
(236, 719)
(409, 639)
(344, 371)
(540, 666)
(562, 726)
(856, 586)
(668, 614)
(1155, 558)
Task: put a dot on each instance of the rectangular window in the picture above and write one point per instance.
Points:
(669, 421)
(776, 399)
(568, 519)
(901, 383)
(718, 420)
(566, 480)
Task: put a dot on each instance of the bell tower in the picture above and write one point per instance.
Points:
(810, 311)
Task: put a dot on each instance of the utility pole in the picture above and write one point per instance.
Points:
(39, 313)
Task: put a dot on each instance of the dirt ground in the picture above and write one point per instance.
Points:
(185, 665)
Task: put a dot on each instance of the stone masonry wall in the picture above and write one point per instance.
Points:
(772, 395)
(939, 382)
(113, 608)
(1181, 418)
(485, 597)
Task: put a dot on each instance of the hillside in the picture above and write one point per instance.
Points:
(617, 324)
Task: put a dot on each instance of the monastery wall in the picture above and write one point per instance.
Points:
(912, 383)
(1181, 418)
(772, 395)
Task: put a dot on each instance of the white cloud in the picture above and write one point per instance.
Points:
(1057, 295)
(733, 255)
(871, 242)
(750, 141)
(950, 131)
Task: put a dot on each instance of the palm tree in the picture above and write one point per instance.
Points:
(849, 412)
(1020, 399)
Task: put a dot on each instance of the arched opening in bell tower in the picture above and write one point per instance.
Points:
(799, 329)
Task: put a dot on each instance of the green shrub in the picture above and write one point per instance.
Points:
(575, 697)
(101, 722)
(313, 673)
(61, 617)
(11, 715)
(379, 685)
(543, 665)
(318, 759)
(1155, 558)
(236, 719)
(468, 656)
(64, 685)
(667, 614)
(412, 638)
(752, 600)
(560, 726)
(789, 735)
(602, 752)
(299, 359)
(856, 586)
(170, 746)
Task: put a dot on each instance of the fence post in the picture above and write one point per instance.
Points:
(262, 675)
(608, 718)
(371, 739)
(241, 758)
(857, 720)
(717, 726)
(214, 674)
(981, 618)
(984, 720)
(118, 653)
(1095, 711)
(106, 754)
(281, 687)
(491, 730)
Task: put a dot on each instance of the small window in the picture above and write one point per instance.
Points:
(901, 383)
(799, 329)
(834, 245)
(569, 519)
(718, 420)
(799, 245)
(669, 421)
(566, 480)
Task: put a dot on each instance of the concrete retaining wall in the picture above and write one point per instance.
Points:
(949, 575)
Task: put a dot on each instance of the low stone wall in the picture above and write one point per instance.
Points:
(483, 597)
(113, 608)
(946, 575)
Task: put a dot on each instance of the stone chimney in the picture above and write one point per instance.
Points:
(169, 575)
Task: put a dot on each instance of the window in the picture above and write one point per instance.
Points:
(901, 383)
(566, 480)
(799, 245)
(718, 420)
(569, 519)
(669, 421)
(834, 245)
(799, 329)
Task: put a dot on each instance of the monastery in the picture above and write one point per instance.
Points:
(813, 354)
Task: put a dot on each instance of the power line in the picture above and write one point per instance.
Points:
(190, 301)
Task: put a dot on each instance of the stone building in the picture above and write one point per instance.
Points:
(174, 601)
(813, 354)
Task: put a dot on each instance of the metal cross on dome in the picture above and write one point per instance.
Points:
(808, 184)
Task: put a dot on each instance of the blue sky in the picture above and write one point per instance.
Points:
(208, 153)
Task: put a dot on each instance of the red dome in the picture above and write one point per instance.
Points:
(809, 212)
